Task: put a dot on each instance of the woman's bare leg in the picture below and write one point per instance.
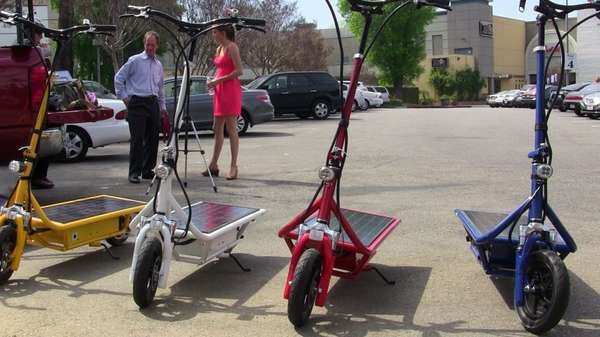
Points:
(218, 129)
(234, 141)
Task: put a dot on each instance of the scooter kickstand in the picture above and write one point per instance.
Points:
(235, 259)
(385, 279)
(109, 252)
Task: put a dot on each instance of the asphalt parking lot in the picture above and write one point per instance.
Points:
(417, 164)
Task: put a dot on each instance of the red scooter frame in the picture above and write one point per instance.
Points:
(343, 252)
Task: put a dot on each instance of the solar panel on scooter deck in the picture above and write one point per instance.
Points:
(208, 217)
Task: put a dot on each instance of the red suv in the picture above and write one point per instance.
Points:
(22, 84)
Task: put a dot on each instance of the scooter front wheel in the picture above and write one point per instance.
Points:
(304, 288)
(147, 272)
(547, 293)
(8, 242)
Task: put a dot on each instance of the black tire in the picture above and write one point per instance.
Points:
(304, 288)
(562, 108)
(147, 271)
(578, 111)
(77, 144)
(544, 307)
(594, 116)
(8, 242)
(355, 105)
(243, 122)
(119, 240)
(320, 109)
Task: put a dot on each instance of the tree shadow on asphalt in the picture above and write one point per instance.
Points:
(71, 275)
(582, 318)
(218, 287)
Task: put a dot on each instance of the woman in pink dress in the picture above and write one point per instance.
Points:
(227, 100)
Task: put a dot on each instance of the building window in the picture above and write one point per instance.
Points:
(438, 44)
(463, 51)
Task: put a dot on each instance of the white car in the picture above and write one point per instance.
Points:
(385, 94)
(372, 98)
(360, 102)
(82, 136)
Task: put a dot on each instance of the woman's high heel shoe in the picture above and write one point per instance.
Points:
(233, 174)
(213, 172)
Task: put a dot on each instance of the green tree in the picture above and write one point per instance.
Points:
(400, 47)
(468, 84)
(442, 82)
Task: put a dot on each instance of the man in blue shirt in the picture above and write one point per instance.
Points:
(140, 84)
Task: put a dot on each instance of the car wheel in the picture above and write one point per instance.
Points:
(578, 111)
(76, 145)
(355, 105)
(242, 123)
(320, 109)
(562, 108)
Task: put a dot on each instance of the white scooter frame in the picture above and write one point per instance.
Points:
(217, 230)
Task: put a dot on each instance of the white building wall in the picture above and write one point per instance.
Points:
(587, 63)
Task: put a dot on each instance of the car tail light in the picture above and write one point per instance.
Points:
(264, 98)
(37, 78)
(121, 115)
(575, 98)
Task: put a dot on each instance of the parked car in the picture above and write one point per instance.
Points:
(304, 94)
(526, 99)
(80, 137)
(372, 98)
(21, 90)
(385, 94)
(509, 97)
(590, 105)
(360, 103)
(573, 99)
(98, 89)
(566, 91)
(491, 100)
(256, 105)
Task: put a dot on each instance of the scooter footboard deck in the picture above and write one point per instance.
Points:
(370, 228)
(80, 209)
(224, 226)
(479, 224)
(84, 221)
(208, 217)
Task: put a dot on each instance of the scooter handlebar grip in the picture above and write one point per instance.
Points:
(105, 28)
(445, 4)
(253, 22)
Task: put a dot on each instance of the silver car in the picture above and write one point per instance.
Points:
(256, 105)
(590, 105)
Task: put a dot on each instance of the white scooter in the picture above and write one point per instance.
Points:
(200, 232)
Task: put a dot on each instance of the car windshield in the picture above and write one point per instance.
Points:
(527, 87)
(591, 88)
(381, 90)
(254, 84)
(575, 87)
(98, 89)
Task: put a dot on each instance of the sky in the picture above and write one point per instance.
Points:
(317, 11)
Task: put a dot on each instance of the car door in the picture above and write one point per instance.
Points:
(201, 103)
(301, 93)
(277, 86)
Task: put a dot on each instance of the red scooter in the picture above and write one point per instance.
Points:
(326, 239)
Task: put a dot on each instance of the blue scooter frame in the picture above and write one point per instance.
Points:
(495, 248)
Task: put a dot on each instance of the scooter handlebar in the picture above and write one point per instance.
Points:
(443, 4)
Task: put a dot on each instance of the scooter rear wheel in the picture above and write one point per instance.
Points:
(147, 272)
(8, 241)
(304, 288)
(548, 295)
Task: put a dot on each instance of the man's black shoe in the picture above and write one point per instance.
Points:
(135, 179)
(148, 175)
(41, 184)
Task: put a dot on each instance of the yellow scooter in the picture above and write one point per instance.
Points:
(63, 226)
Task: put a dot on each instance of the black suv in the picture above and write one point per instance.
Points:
(304, 94)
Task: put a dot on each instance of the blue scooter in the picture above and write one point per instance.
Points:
(531, 248)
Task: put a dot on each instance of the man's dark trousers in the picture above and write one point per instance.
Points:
(144, 122)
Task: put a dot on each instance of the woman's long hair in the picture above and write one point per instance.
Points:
(229, 32)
